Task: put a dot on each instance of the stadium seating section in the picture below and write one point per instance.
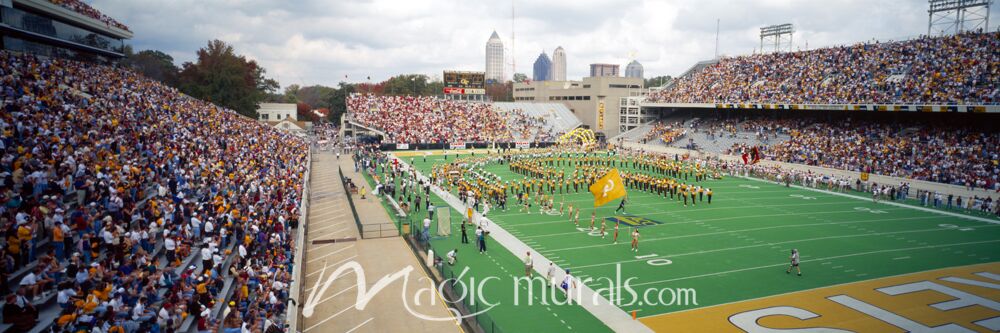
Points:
(126, 203)
(86, 10)
(418, 119)
(958, 154)
(958, 69)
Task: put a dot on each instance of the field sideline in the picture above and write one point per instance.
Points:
(737, 248)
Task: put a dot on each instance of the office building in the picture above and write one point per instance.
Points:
(634, 69)
(600, 102)
(543, 68)
(494, 59)
(559, 64)
(603, 70)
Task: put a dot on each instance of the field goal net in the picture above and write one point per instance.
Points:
(443, 221)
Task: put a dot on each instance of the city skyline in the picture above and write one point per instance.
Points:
(321, 42)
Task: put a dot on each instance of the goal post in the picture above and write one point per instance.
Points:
(443, 221)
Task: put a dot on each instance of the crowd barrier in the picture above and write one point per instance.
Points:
(295, 288)
(915, 185)
(463, 145)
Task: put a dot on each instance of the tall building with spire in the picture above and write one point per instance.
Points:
(494, 59)
(558, 65)
(543, 68)
(634, 69)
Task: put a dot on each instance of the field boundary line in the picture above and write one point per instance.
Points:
(924, 209)
(818, 259)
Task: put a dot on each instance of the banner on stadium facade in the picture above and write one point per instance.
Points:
(522, 144)
(600, 115)
(402, 146)
(457, 145)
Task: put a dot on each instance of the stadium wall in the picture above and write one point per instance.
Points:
(464, 145)
(915, 185)
(295, 289)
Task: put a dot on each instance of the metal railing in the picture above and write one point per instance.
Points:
(380, 230)
(350, 201)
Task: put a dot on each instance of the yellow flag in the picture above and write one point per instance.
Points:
(607, 188)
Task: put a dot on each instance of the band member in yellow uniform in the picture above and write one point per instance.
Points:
(708, 192)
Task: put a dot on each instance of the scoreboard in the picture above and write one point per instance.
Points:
(464, 83)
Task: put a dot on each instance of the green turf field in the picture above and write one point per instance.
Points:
(736, 248)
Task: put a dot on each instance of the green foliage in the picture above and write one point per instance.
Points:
(222, 77)
(155, 65)
(520, 77)
(338, 101)
(657, 81)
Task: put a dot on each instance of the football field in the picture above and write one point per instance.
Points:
(737, 247)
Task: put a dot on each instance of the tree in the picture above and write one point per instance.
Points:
(155, 65)
(657, 81)
(317, 96)
(222, 77)
(500, 92)
(338, 101)
(304, 112)
(291, 94)
(520, 77)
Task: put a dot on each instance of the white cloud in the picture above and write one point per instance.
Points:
(319, 42)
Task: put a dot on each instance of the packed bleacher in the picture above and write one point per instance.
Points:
(129, 207)
(85, 9)
(526, 127)
(419, 119)
(958, 69)
(924, 152)
(956, 152)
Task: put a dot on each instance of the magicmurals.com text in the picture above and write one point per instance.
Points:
(536, 290)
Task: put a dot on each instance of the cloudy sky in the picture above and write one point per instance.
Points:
(310, 42)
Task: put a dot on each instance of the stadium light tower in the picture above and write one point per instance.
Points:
(954, 16)
(780, 34)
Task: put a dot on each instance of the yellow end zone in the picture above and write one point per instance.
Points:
(965, 298)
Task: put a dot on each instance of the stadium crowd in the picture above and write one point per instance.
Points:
(85, 9)
(420, 119)
(915, 150)
(135, 207)
(958, 69)
(524, 126)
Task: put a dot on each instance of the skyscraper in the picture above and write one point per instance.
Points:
(634, 69)
(603, 70)
(494, 59)
(543, 68)
(558, 65)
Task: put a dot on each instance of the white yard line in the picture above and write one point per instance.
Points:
(327, 319)
(331, 253)
(609, 314)
(817, 259)
(359, 326)
(754, 229)
(771, 244)
(974, 218)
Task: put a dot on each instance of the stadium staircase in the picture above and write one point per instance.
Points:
(557, 117)
(634, 134)
(722, 141)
